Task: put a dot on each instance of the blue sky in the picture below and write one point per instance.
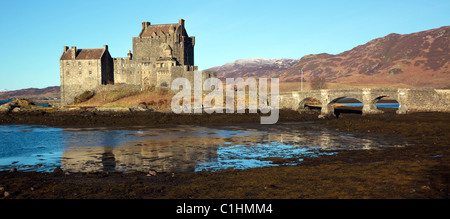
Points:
(33, 33)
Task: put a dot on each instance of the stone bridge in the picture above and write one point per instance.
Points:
(410, 100)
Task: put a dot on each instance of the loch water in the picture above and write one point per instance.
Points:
(177, 148)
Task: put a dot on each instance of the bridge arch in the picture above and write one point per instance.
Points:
(331, 107)
(378, 98)
(335, 100)
(303, 103)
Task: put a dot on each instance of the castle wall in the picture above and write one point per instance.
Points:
(151, 48)
(78, 76)
(188, 56)
(107, 69)
(126, 71)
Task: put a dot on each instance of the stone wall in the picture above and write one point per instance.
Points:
(78, 76)
(112, 87)
(126, 71)
(428, 100)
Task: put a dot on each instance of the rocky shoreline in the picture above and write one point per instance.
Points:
(85, 117)
(417, 171)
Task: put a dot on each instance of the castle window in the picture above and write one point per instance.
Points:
(79, 63)
(67, 73)
(146, 64)
(67, 63)
(90, 72)
(123, 65)
(89, 63)
(79, 72)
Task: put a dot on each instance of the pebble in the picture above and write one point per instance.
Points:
(58, 170)
(7, 193)
(151, 173)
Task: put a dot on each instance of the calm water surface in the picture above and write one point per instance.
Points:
(179, 148)
(379, 105)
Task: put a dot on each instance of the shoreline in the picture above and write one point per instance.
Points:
(417, 171)
(87, 118)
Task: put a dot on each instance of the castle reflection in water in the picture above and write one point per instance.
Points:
(189, 148)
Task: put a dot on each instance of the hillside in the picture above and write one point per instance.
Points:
(254, 67)
(48, 93)
(419, 59)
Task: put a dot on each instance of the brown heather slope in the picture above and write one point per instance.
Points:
(32, 93)
(411, 60)
(419, 59)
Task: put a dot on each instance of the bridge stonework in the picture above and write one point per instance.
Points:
(410, 100)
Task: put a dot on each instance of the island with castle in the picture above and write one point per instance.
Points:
(161, 53)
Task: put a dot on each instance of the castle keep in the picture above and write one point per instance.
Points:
(160, 54)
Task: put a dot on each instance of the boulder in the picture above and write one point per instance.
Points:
(17, 105)
(139, 108)
(7, 107)
(112, 109)
(24, 103)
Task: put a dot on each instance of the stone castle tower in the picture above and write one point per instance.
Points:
(160, 54)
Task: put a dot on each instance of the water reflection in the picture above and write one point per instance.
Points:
(181, 148)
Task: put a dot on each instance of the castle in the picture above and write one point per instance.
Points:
(161, 53)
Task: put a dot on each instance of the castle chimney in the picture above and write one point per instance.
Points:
(74, 52)
(66, 48)
(145, 24)
(105, 47)
(181, 22)
(193, 40)
(130, 55)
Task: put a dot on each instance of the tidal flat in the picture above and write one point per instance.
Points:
(417, 170)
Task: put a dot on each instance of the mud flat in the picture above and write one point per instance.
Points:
(417, 171)
(89, 118)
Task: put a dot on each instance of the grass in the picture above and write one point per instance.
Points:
(127, 98)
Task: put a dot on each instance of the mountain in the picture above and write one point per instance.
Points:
(32, 93)
(254, 67)
(419, 59)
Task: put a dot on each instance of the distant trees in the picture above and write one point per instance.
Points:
(318, 83)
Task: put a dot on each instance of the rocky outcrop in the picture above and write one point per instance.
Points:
(17, 105)
(140, 108)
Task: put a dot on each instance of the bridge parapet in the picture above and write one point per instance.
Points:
(410, 100)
